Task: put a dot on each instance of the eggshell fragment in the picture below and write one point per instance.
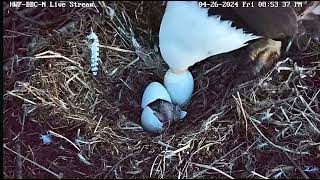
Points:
(153, 92)
(183, 114)
(150, 122)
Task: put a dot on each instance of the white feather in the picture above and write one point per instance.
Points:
(188, 35)
(94, 48)
(46, 139)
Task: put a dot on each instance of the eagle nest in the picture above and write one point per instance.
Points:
(60, 121)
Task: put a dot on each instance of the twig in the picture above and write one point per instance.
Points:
(116, 49)
(243, 112)
(295, 164)
(225, 155)
(60, 136)
(15, 95)
(19, 160)
(165, 145)
(20, 33)
(277, 146)
(213, 168)
(95, 129)
(153, 164)
(172, 153)
(308, 105)
(119, 163)
(42, 24)
(55, 55)
(314, 127)
(259, 175)
(49, 171)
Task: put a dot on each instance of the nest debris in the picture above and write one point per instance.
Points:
(266, 127)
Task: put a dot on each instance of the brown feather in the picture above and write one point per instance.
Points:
(271, 23)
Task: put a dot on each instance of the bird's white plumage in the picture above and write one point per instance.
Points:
(188, 35)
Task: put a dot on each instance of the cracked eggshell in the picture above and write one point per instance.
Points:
(183, 114)
(153, 92)
(150, 122)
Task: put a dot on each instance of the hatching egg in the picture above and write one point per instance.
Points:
(153, 92)
(158, 110)
(150, 121)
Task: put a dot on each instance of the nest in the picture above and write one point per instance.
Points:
(60, 121)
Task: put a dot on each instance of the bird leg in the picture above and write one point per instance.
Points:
(264, 52)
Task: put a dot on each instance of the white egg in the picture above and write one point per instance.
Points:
(150, 122)
(180, 86)
(153, 92)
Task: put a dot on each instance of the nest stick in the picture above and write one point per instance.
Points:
(27, 159)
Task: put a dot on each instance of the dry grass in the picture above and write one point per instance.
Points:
(265, 127)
